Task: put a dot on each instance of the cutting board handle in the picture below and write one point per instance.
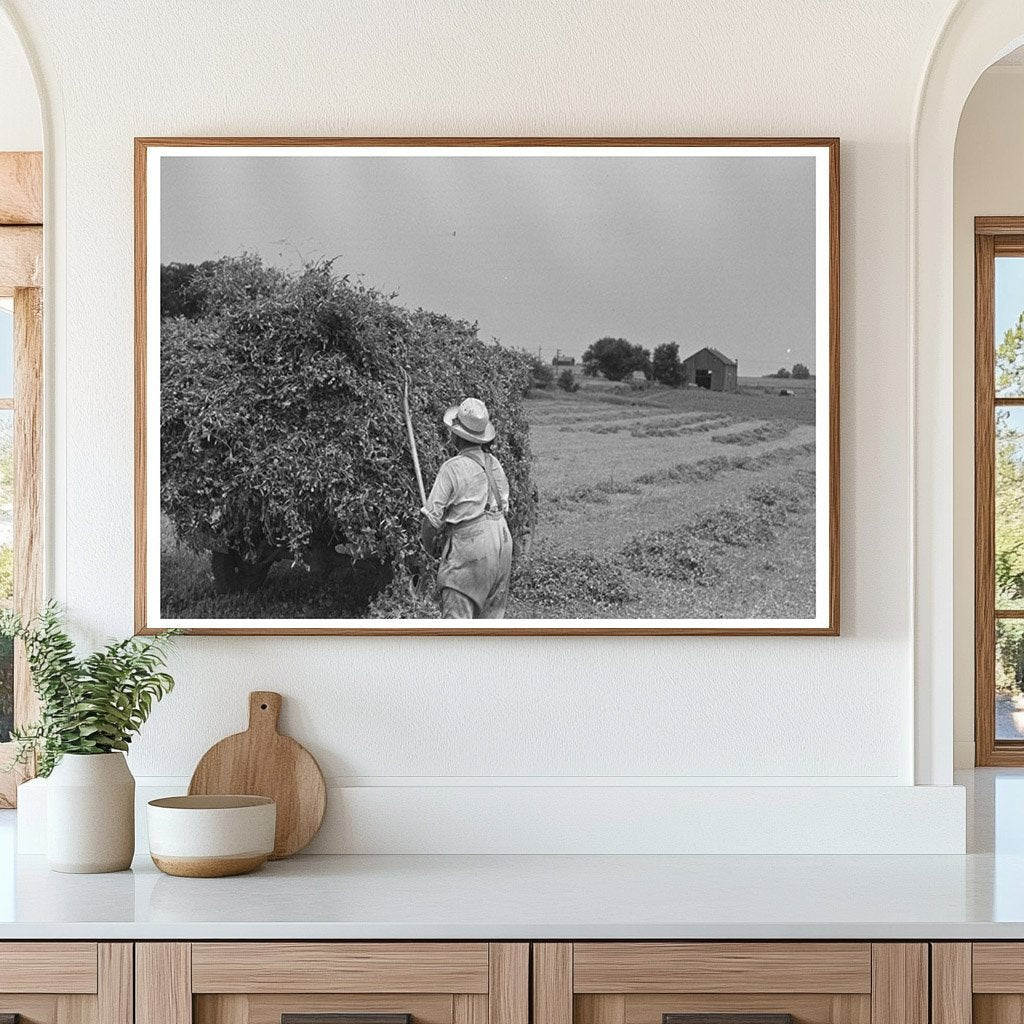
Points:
(264, 710)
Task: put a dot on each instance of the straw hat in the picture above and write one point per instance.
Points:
(470, 421)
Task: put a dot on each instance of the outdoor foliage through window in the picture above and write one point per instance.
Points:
(1009, 498)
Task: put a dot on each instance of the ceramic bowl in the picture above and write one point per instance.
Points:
(211, 836)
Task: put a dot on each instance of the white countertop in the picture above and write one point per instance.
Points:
(977, 896)
(497, 897)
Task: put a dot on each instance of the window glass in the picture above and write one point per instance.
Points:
(6, 353)
(1009, 679)
(1009, 510)
(1009, 327)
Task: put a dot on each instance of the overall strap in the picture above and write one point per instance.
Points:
(493, 495)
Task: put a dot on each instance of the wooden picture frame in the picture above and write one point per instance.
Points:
(151, 154)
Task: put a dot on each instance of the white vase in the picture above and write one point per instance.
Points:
(90, 814)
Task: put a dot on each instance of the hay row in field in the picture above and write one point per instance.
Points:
(689, 553)
(707, 469)
(757, 434)
(585, 417)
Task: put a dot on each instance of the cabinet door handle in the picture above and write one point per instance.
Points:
(727, 1018)
(338, 1018)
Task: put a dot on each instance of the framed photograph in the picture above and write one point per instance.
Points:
(498, 386)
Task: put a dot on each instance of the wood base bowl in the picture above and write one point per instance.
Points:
(211, 836)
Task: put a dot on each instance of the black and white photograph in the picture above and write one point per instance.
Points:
(471, 386)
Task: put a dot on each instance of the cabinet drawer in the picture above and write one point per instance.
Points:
(66, 982)
(730, 983)
(65, 967)
(332, 983)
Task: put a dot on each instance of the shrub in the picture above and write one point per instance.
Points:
(567, 381)
(281, 414)
(801, 372)
(665, 365)
(541, 375)
(616, 358)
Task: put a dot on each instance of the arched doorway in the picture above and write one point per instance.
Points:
(976, 34)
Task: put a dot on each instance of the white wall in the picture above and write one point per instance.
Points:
(21, 127)
(447, 713)
(987, 181)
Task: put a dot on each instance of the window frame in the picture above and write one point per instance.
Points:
(21, 278)
(993, 237)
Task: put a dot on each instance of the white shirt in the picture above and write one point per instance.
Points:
(460, 491)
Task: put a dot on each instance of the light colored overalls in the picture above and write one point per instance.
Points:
(476, 560)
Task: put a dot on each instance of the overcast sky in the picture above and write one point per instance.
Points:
(548, 252)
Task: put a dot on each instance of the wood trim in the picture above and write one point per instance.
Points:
(69, 968)
(232, 1009)
(469, 1009)
(606, 1009)
(999, 226)
(508, 989)
(834, 490)
(21, 188)
(268, 1008)
(142, 144)
(818, 1008)
(998, 967)
(12, 779)
(984, 501)
(21, 258)
(830, 142)
(899, 983)
(163, 983)
(115, 983)
(636, 967)
(552, 983)
(141, 623)
(951, 986)
(994, 236)
(28, 514)
(219, 967)
(28, 482)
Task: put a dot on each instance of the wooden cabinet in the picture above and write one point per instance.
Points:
(494, 983)
(753, 982)
(978, 983)
(66, 982)
(308, 982)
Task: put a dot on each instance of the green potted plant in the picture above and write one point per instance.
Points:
(90, 708)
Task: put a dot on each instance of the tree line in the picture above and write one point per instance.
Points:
(799, 372)
(618, 359)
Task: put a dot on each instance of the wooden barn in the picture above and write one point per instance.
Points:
(710, 369)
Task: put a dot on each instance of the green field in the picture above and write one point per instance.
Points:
(672, 503)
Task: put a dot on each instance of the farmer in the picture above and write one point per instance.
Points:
(464, 520)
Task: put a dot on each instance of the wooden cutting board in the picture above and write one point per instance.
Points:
(262, 762)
